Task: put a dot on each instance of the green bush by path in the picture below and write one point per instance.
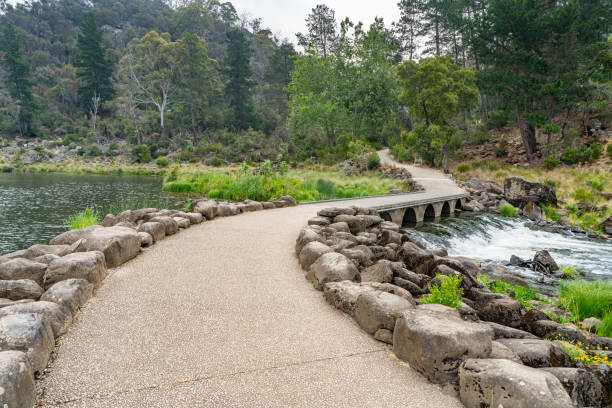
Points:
(586, 299)
(84, 219)
(447, 293)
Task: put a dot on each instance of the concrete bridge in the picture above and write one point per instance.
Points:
(414, 212)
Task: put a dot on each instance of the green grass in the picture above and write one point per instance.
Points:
(605, 329)
(304, 185)
(551, 213)
(522, 294)
(448, 293)
(570, 272)
(84, 219)
(507, 210)
(586, 299)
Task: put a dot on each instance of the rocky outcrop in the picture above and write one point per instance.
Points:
(70, 293)
(519, 192)
(332, 267)
(89, 266)
(20, 289)
(583, 387)
(118, 244)
(376, 310)
(56, 316)
(20, 268)
(16, 380)
(28, 333)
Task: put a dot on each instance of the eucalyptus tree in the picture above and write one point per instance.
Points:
(322, 33)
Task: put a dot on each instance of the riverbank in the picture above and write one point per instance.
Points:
(584, 193)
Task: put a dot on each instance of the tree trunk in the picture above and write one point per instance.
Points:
(445, 159)
(528, 134)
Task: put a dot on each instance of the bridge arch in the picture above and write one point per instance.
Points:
(458, 205)
(446, 209)
(410, 217)
(430, 212)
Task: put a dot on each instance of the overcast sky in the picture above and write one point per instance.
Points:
(288, 16)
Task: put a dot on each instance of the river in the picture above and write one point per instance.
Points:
(35, 207)
(494, 239)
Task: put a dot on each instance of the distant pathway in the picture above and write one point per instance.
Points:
(434, 181)
(221, 316)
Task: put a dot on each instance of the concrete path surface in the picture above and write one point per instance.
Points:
(221, 316)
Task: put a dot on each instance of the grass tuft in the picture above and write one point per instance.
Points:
(84, 219)
(507, 210)
(586, 299)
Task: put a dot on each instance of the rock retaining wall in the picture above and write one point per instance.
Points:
(494, 351)
(42, 288)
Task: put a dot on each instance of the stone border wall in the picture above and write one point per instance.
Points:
(491, 349)
(43, 288)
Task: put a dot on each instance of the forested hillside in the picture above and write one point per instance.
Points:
(192, 81)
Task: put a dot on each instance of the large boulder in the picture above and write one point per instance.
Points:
(380, 272)
(21, 268)
(504, 383)
(311, 252)
(183, 223)
(20, 289)
(146, 240)
(81, 265)
(193, 217)
(434, 341)
(505, 311)
(336, 211)
(487, 186)
(156, 229)
(28, 333)
(519, 192)
(70, 237)
(207, 208)
(343, 295)
(538, 353)
(583, 387)
(505, 332)
(291, 202)
(70, 293)
(16, 380)
(606, 225)
(56, 316)
(356, 224)
(416, 258)
(498, 272)
(306, 236)
(118, 244)
(499, 351)
(547, 260)
(333, 267)
(170, 225)
(39, 250)
(603, 372)
(379, 310)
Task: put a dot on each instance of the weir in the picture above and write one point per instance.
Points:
(417, 211)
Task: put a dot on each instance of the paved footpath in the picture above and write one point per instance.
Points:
(220, 315)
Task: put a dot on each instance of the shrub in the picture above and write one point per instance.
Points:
(551, 162)
(84, 219)
(608, 150)
(94, 151)
(186, 156)
(463, 168)
(606, 326)
(498, 119)
(480, 136)
(582, 195)
(478, 164)
(570, 271)
(493, 166)
(373, 160)
(552, 183)
(162, 161)
(507, 210)
(447, 293)
(141, 154)
(586, 299)
(501, 149)
(570, 156)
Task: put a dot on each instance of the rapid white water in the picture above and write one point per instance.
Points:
(494, 239)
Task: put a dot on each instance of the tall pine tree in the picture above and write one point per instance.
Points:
(238, 89)
(94, 69)
(18, 79)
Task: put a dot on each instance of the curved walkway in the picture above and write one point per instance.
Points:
(221, 316)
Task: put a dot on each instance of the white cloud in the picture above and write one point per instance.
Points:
(289, 17)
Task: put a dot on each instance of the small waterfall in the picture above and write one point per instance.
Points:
(494, 239)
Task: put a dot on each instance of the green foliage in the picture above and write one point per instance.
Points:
(586, 299)
(463, 167)
(239, 87)
(551, 162)
(570, 272)
(582, 195)
(84, 219)
(605, 329)
(498, 119)
(447, 293)
(18, 79)
(501, 149)
(435, 90)
(522, 294)
(609, 150)
(507, 210)
(161, 161)
(141, 154)
(584, 154)
(373, 160)
(94, 69)
(551, 212)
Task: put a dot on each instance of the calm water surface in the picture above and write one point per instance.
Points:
(35, 208)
